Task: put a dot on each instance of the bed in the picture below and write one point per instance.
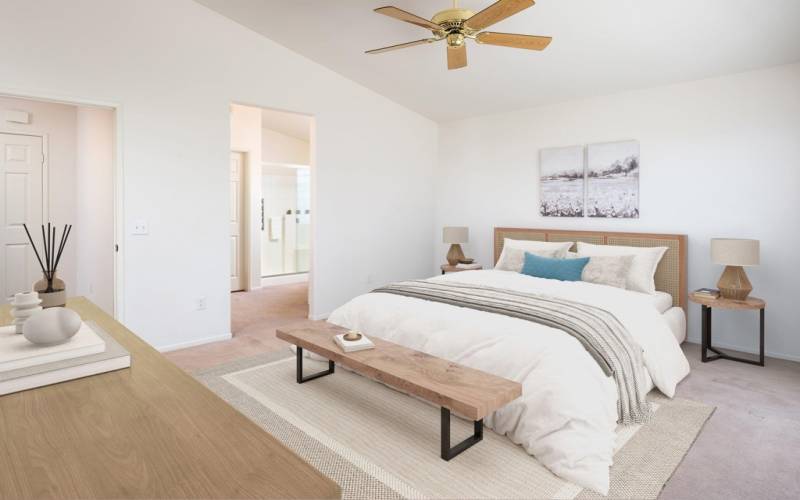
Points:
(572, 401)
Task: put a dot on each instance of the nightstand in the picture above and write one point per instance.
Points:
(749, 304)
(447, 268)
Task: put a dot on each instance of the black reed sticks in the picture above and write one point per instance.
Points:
(52, 255)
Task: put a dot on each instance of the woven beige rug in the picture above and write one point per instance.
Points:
(378, 443)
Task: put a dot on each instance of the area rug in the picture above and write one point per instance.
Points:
(378, 443)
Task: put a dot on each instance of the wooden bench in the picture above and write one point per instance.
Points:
(455, 388)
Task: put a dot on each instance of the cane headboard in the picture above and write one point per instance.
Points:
(670, 274)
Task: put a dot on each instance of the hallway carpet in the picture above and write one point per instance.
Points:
(254, 317)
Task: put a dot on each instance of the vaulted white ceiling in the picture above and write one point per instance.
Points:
(599, 47)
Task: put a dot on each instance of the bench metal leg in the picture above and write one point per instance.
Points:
(447, 451)
(301, 378)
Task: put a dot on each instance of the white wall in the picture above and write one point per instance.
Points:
(720, 157)
(93, 233)
(282, 148)
(174, 68)
(58, 123)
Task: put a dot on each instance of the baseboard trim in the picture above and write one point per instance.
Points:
(318, 317)
(284, 280)
(748, 350)
(194, 343)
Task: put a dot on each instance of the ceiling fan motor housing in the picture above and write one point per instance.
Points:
(452, 22)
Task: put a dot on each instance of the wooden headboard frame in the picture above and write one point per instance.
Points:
(670, 274)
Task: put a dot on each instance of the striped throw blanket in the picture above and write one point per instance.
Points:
(599, 331)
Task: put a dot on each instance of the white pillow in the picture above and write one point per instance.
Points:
(642, 271)
(560, 247)
(510, 261)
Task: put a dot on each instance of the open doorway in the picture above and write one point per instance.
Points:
(270, 234)
(57, 165)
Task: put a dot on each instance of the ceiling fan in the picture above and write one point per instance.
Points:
(456, 25)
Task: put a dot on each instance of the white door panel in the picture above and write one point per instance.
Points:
(21, 177)
(237, 222)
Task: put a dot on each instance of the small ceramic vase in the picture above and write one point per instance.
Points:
(56, 297)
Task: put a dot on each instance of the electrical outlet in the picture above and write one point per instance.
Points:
(140, 227)
(201, 304)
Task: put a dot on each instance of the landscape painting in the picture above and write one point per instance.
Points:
(612, 180)
(562, 184)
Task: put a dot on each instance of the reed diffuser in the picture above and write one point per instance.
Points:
(51, 290)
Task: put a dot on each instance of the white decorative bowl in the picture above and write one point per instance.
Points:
(51, 326)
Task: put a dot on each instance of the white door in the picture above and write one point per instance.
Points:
(21, 174)
(237, 222)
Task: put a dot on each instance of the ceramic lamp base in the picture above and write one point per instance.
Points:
(733, 284)
(455, 254)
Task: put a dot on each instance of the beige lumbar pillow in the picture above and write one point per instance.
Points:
(611, 270)
(512, 259)
(641, 276)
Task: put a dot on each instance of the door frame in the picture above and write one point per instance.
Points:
(117, 174)
(312, 145)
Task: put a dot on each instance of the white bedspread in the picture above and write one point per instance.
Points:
(567, 414)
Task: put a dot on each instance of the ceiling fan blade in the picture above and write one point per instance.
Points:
(529, 42)
(496, 13)
(402, 46)
(408, 17)
(456, 57)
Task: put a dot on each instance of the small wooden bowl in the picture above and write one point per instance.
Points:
(352, 335)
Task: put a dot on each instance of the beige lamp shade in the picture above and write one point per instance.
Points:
(735, 252)
(455, 235)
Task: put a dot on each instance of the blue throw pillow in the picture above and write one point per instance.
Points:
(554, 269)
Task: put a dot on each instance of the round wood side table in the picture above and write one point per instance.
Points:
(709, 303)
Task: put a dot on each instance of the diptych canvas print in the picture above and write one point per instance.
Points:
(603, 182)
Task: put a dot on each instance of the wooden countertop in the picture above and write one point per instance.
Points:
(151, 431)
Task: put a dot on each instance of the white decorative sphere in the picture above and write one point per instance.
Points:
(52, 326)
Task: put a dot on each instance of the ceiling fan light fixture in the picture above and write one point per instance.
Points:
(455, 39)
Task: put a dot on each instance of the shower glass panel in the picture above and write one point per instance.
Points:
(286, 228)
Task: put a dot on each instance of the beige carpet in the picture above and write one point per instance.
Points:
(378, 443)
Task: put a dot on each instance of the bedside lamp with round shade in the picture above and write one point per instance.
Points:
(455, 236)
(734, 254)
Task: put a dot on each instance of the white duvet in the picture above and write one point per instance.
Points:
(567, 414)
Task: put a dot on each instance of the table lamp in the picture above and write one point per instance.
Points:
(733, 254)
(455, 236)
